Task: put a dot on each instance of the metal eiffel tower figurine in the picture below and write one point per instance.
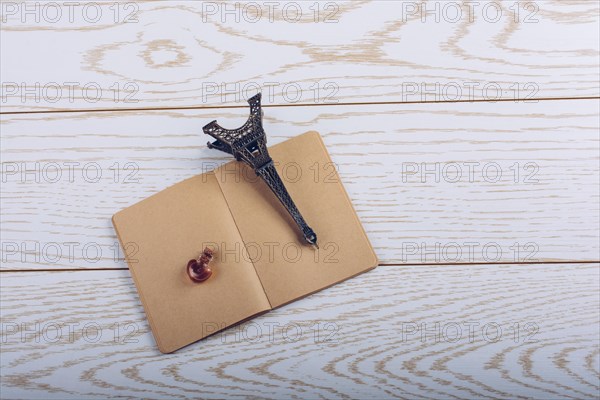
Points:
(248, 143)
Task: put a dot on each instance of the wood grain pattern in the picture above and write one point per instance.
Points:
(544, 207)
(363, 349)
(141, 54)
(422, 178)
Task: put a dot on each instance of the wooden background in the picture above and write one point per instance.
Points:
(469, 145)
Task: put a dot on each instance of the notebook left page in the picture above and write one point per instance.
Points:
(160, 234)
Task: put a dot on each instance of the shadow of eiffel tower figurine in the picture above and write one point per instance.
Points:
(248, 143)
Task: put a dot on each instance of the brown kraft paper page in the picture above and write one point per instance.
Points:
(170, 228)
(288, 268)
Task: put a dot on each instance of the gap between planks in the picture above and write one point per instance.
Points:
(379, 265)
(376, 103)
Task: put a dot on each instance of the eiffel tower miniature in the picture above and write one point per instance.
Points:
(248, 143)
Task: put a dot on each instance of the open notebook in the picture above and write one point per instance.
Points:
(261, 261)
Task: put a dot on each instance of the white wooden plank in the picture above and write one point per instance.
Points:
(549, 211)
(106, 55)
(364, 350)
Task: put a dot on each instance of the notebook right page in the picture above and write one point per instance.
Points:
(288, 268)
